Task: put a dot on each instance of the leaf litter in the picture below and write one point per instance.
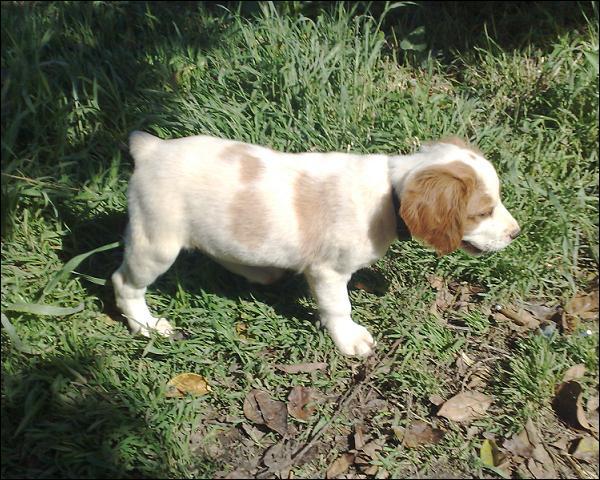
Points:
(360, 449)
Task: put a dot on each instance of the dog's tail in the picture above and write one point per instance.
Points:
(141, 145)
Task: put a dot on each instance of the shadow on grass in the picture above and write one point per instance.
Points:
(62, 418)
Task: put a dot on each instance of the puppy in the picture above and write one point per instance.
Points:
(259, 212)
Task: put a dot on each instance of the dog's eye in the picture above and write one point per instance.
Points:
(487, 213)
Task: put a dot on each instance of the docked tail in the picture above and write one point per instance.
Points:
(141, 145)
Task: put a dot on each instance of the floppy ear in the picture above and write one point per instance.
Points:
(434, 204)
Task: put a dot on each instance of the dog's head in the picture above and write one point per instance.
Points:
(454, 201)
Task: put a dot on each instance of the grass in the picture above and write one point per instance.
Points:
(81, 398)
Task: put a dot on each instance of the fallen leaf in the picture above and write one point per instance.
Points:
(485, 453)
(359, 440)
(301, 402)
(569, 323)
(240, 330)
(187, 383)
(373, 447)
(592, 412)
(399, 432)
(541, 470)
(277, 456)
(519, 316)
(301, 367)
(576, 371)
(585, 449)
(437, 400)
(541, 312)
(340, 465)
(465, 406)
(421, 433)
(568, 405)
(260, 408)
(584, 305)
(371, 471)
(561, 444)
(435, 281)
(491, 456)
(532, 432)
(254, 433)
(519, 445)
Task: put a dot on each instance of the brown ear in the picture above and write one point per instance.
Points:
(434, 204)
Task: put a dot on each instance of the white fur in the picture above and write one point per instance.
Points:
(181, 196)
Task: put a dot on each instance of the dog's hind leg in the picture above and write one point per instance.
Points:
(146, 257)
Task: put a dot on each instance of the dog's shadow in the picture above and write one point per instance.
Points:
(195, 273)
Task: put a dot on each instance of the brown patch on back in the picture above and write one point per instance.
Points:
(434, 204)
(247, 218)
(314, 208)
(251, 167)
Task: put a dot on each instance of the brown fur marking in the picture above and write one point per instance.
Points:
(313, 210)
(435, 201)
(251, 167)
(247, 218)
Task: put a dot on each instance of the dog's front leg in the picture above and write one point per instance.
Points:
(331, 292)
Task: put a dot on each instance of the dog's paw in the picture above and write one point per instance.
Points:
(353, 339)
(160, 326)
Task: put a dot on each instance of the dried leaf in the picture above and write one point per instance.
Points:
(568, 405)
(187, 383)
(421, 433)
(592, 412)
(437, 400)
(251, 408)
(359, 440)
(532, 433)
(576, 371)
(340, 465)
(519, 445)
(241, 329)
(301, 367)
(301, 402)
(569, 323)
(277, 456)
(586, 449)
(583, 305)
(373, 447)
(541, 470)
(399, 432)
(465, 406)
(260, 408)
(435, 281)
(491, 456)
(519, 316)
(485, 453)
(541, 312)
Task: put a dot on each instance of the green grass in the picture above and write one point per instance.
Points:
(82, 398)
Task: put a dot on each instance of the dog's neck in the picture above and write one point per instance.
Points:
(399, 168)
(402, 231)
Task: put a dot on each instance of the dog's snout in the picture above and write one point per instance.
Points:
(515, 233)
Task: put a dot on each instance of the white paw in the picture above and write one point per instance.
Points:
(353, 339)
(159, 325)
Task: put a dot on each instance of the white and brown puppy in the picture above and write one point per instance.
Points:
(259, 212)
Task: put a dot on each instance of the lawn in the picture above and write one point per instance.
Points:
(82, 398)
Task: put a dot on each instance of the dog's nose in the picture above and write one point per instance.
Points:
(515, 233)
